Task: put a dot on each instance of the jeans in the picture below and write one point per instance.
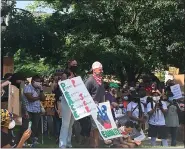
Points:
(67, 124)
(173, 133)
(58, 124)
(34, 118)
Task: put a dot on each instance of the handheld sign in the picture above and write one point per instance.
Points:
(105, 122)
(49, 104)
(77, 97)
(176, 90)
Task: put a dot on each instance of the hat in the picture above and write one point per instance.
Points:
(96, 65)
(7, 119)
(113, 85)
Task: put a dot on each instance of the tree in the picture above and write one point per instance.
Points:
(126, 36)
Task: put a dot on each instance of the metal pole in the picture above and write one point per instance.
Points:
(42, 128)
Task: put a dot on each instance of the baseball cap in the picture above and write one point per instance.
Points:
(96, 65)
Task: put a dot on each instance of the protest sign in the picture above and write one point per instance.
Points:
(176, 90)
(179, 79)
(105, 122)
(173, 70)
(77, 97)
(168, 76)
(14, 102)
(49, 104)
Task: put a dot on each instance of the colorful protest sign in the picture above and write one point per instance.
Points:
(176, 90)
(77, 97)
(105, 122)
(49, 104)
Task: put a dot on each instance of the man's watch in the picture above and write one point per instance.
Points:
(41, 90)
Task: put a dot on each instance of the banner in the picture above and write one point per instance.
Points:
(105, 122)
(77, 97)
(49, 104)
(176, 90)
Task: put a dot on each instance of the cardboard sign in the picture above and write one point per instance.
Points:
(14, 102)
(77, 97)
(8, 65)
(105, 122)
(173, 70)
(176, 90)
(49, 104)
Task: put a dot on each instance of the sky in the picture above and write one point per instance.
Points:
(22, 4)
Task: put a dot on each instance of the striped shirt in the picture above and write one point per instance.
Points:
(35, 106)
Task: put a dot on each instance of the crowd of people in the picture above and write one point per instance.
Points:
(146, 105)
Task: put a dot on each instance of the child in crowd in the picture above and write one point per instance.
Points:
(126, 141)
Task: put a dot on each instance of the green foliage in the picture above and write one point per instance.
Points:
(25, 64)
(129, 37)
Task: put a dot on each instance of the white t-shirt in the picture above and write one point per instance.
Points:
(157, 118)
(131, 106)
(144, 101)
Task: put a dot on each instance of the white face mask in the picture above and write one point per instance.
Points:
(156, 98)
(37, 84)
(11, 125)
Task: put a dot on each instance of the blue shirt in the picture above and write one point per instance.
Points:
(34, 107)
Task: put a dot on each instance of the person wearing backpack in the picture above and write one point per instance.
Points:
(135, 110)
(156, 110)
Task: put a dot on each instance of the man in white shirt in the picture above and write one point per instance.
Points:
(157, 128)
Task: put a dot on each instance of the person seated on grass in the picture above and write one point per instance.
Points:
(7, 138)
(126, 141)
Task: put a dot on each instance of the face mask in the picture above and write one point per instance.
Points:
(36, 84)
(170, 99)
(156, 98)
(120, 105)
(73, 68)
(11, 125)
(125, 97)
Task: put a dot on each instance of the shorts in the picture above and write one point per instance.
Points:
(160, 132)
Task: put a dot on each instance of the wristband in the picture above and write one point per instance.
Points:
(41, 91)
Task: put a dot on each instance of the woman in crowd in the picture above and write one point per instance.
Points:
(67, 117)
(172, 119)
(157, 128)
(7, 125)
(135, 110)
(59, 76)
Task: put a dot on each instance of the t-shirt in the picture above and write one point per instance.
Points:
(157, 118)
(96, 91)
(144, 102)
(7, 138)
(35, 106)
(111, 99)
(172, 119)
(134, 108)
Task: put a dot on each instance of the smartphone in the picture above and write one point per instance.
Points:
(29, 125)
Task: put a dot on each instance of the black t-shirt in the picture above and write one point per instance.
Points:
(7, 139)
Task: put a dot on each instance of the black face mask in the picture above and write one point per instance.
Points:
(73, 68)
